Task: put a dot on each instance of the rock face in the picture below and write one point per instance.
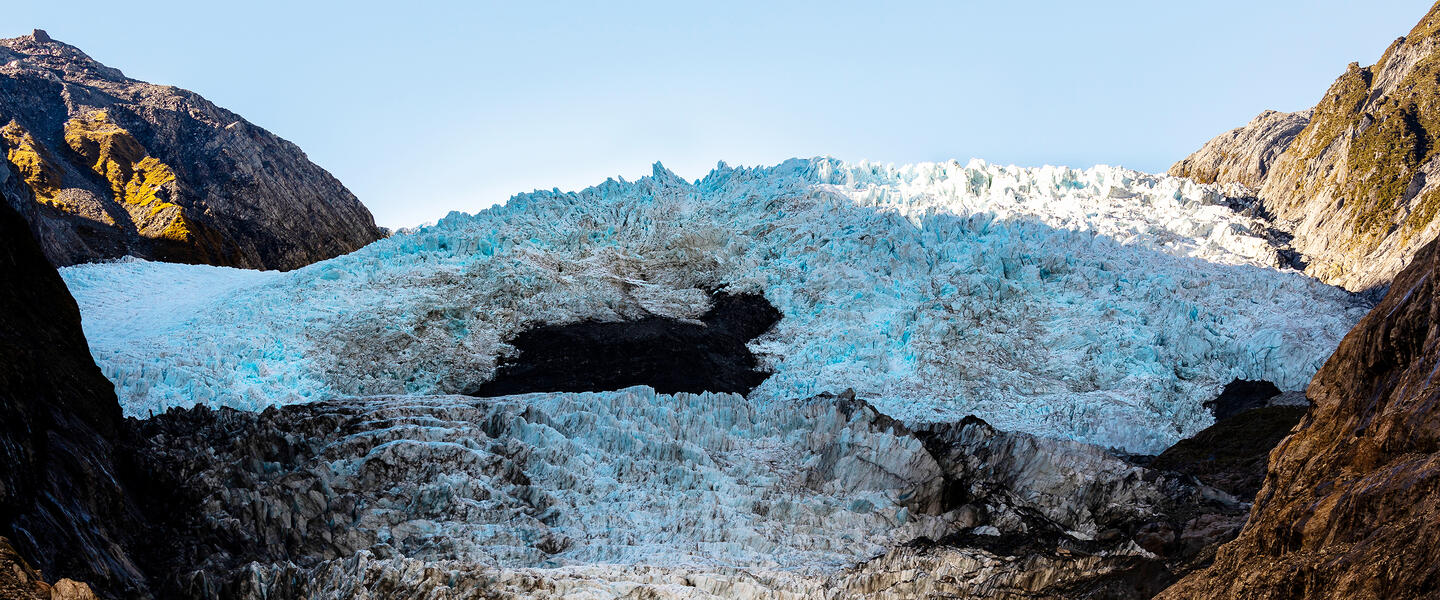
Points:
(1244, 155)
(1358, 186)
(1351, 503)
(112, 166)
(62, 500)
(667, 354)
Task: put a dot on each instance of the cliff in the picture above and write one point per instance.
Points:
(112, 166)
(62, 498)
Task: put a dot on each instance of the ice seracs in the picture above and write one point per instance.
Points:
(1100, 305)
(657, 492)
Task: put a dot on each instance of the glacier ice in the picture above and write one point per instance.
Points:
(1101, 305)
(558, 479)
(818, 495)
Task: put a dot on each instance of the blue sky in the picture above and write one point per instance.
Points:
(426, 107)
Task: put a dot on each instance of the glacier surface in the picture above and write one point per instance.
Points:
(1100, 305)
(817, 498)
(558, 479)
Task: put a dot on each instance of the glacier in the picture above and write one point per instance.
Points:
(1101, 305)
(563, 479)
(631, 493)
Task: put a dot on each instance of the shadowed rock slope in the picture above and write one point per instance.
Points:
(62, 504)
(1358, 186)
(1350, 507)
(110, 166)
(1231, 454)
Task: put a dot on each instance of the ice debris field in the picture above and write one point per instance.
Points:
(1101, 305)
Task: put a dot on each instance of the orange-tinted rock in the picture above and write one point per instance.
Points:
(20, 581)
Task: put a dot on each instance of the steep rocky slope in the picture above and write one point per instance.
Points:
(112, 166)
(1244, 155)
(1350, 507)
(62, 497)
(1358, 186)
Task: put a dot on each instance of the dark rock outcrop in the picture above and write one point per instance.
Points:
(1042, 518)
(1350, 507)
(63, 502)
(1232, 454)
(109, 166)
(1239, 396)
(667, 354)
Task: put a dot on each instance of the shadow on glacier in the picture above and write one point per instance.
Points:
(668, 355)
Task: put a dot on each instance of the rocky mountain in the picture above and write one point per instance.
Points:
(1350, 503)
(109, 166)
(63, 499)
(1357, 186)
(1350, 507)
(1244, 155)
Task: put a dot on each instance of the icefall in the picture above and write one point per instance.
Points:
(1102, 305)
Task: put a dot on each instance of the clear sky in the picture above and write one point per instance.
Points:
(426, 107)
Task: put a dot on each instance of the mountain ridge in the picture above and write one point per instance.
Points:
(1349, 503)
(111, 166)
(1359, 186)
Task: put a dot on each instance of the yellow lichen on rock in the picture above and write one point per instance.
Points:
(33, 163)
(140, 182)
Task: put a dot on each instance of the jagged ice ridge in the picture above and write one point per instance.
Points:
(1100, 305)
